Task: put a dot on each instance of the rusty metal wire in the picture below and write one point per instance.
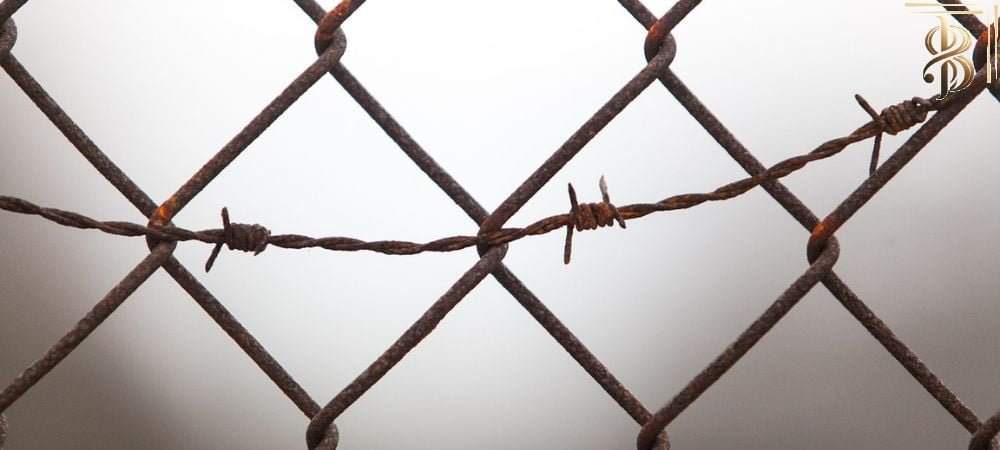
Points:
(492, 238)
(256, 238)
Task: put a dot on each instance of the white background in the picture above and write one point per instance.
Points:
(490, 89)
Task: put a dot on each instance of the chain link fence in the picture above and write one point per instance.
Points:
(931, 115)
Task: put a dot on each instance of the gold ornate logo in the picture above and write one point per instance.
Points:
(948, 45)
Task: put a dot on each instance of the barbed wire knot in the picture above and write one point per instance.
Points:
(239, 236)
(893, 119)
(589, 216)
(903, 116)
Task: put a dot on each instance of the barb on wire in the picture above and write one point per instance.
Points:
(239, 236)
(589, 216)
(950, 108)
(894, 119)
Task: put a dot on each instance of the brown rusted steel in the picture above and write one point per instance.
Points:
(826, 228)
(97, 315)
(760, 327)
(492, 238)
(255, 237)
(985, 437)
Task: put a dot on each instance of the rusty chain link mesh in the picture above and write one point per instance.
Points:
(493, 237)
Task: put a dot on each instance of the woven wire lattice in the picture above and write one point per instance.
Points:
(823, 250)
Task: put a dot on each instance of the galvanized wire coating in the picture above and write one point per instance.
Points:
(492, 238)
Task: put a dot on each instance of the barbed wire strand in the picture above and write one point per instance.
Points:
(240, 240)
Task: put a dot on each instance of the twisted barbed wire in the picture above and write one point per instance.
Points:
(492, 238)
(255, 238)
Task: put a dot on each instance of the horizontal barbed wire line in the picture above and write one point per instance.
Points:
(502, 236)
(660, 48)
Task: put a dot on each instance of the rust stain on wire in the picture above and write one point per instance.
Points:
(492, 238)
